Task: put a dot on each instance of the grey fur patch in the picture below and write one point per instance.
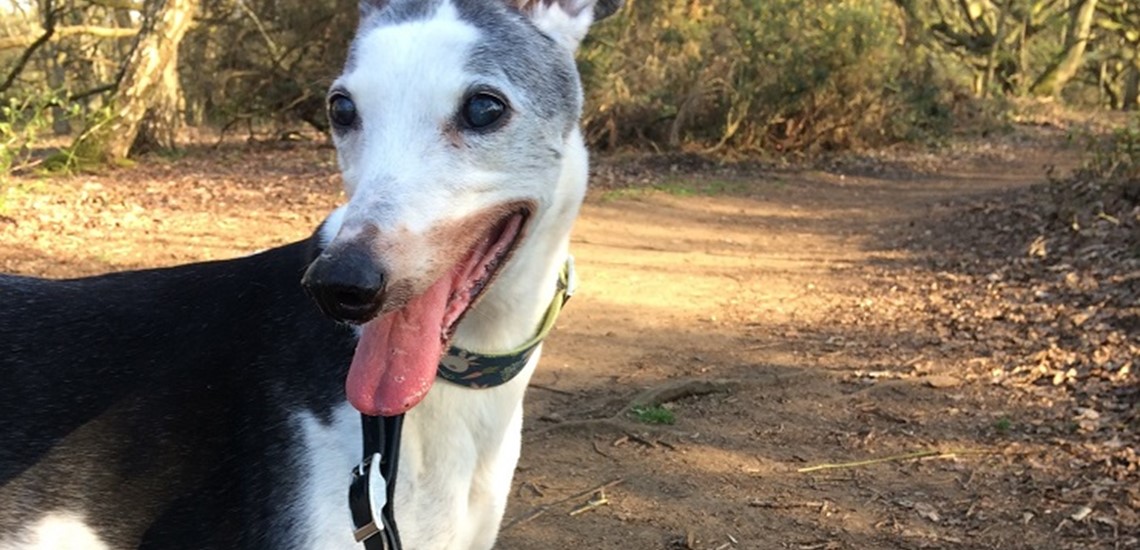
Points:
(513, 47)
(602, 8)
(409, 10)
(369, 6)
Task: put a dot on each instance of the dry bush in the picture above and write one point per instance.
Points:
(775, 75)
(1105, 190)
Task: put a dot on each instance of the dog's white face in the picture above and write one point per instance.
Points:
(451, 121)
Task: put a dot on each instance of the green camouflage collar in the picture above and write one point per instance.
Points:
(486, 370)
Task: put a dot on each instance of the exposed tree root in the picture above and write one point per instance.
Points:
(667, 392)
(675, 390)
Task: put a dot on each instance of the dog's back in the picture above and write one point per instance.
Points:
(155, 408)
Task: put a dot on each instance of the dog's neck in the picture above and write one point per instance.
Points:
(472, 436)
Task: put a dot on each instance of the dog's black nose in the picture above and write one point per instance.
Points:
(347, 284)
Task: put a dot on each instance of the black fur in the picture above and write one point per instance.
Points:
(157, 403)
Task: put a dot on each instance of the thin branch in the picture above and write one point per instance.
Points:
(269, 43)
(652, 397)
(597, 502)
(895, 458)
(93, 91)
(543, 509)
(72, 98)
(552, 389)
(119, 4)
(50, 15)
(12, 42)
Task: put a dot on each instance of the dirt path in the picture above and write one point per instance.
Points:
(796, 292)
(784, 319)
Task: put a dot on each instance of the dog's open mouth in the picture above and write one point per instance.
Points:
(398, 353)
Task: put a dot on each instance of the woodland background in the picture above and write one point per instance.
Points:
(733, 76)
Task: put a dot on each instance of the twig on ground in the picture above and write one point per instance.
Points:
(638, 439)
(554, 390)
(773, 504)
(652, 397)
(533, 488)
(600, 500)
(530, 515)
(600, 451)
(543, 509)
(895, 458)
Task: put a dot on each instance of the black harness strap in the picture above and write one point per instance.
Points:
(375, 522)
(381, 458)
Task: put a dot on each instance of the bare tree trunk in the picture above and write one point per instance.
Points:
(1065, 67)
(159, 128)
(1132, 83)
(999, 42)
(60, 122)
(109, 138)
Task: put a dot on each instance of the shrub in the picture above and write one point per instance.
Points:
(23, 122)
(1106, 188)
(775, 75)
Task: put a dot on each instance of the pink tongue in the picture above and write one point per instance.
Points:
(397, 355)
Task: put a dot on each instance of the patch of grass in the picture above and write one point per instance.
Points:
(655, 414)
(626, 193)
(679, 187)
(1003, 425)
(706, 188)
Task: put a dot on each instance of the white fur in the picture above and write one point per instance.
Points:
(460, 446)
(387, 166)
(331, 451)
(56, 531)
(566, 28)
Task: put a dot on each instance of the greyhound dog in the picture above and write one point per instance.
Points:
(204, 406)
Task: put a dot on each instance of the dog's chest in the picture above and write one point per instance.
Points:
(454, 476)
(330, 450)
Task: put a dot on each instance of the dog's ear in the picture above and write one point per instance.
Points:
(368, 7)
(606, 8)
(567, 20)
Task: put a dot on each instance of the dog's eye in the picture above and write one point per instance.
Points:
(342, 111)
(482, 110)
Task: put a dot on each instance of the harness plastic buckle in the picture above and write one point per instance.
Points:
(571, 283)
(366, 478)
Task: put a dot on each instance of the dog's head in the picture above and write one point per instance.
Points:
(454, 121)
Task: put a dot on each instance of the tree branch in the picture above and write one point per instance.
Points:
(110, 87)
(50, 15)
(136, 5)
(12, 42)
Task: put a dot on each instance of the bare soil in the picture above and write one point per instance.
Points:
(911, 319)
